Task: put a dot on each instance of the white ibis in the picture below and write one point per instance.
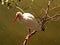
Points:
(30, 22)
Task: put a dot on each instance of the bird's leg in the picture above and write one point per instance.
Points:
(28, 36)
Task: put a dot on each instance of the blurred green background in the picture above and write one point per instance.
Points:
(14, 35)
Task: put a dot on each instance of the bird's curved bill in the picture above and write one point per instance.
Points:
(14, 20)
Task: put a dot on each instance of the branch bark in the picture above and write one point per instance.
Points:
(28, 37)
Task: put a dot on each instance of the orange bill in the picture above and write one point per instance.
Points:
(15, 20)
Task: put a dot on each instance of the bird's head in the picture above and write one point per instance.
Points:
(18, 16)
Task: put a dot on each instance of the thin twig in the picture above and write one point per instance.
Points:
(54, 7)
(55, 17)
(44, 19)
(47, 9)
(34, 9)
(16, 6)
(20, 9)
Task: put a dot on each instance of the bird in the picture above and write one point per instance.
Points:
(28, 20)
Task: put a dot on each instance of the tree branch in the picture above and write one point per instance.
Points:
(47, 9)
(55, 17)
(28, 36)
